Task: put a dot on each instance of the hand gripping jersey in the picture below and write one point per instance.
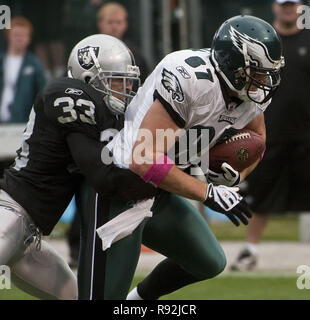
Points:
(44, 176)
(186, 84)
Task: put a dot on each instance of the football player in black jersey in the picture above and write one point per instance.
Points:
(61, 142)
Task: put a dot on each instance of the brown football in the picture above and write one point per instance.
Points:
(240, 151)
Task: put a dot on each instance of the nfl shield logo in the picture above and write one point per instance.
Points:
(85, 58)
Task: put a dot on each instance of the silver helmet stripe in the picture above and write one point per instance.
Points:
(96, 61)
(97, 65)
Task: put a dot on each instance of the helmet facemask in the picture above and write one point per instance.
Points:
(260, 83)
(117, 101)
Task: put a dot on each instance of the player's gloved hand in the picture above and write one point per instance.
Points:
(228, 177)
(228, 201)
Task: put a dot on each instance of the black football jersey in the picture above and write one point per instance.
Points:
(44, 178)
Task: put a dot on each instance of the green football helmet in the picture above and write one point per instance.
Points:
(247, 53)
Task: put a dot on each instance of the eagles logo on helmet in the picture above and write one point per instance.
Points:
(247, 54)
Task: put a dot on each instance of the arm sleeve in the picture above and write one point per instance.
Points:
(108, 180)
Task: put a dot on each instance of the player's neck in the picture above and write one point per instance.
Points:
(286, 29)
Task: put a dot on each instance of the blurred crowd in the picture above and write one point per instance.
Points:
(56, 26)
(48, 30)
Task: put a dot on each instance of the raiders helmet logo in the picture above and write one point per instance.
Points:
(85, 59)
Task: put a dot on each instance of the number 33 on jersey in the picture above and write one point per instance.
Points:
(78, 108)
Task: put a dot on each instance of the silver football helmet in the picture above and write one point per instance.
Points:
(100, 58)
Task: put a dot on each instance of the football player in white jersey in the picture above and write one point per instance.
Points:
(223, 90)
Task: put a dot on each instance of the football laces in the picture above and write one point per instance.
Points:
(239, 136)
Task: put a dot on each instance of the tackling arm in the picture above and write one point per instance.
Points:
(107, 180)
(175, 181)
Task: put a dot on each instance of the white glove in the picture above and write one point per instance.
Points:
(228, 201)
(228, 177)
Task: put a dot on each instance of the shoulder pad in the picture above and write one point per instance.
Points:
(73, 106)
(69, 86)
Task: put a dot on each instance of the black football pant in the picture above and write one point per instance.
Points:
(105, 275)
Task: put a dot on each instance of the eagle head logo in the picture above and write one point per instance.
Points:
(256, 50)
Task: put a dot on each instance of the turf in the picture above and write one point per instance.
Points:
(243, 287)
(14, 294)
(279, 228)
(240, 286)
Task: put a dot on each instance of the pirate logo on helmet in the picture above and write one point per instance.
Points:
(85, 58)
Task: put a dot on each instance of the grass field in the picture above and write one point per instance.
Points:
(279, 228)
(240, 286)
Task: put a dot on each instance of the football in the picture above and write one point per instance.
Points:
(240, 151)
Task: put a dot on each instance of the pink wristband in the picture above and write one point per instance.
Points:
(158, 170)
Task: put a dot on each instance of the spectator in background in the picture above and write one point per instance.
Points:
(112, 20)
(279, 183)
(79, 21)
(47, 18)
(21, 76)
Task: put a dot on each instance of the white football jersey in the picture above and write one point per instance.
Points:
(186, 84)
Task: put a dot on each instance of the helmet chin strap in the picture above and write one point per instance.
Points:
(115, 105)
(247, 94)
(243, 92)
